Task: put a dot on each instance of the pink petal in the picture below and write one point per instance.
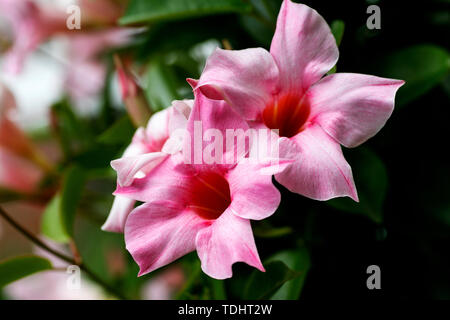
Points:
(128, 167)
(213, 116)
(303, 46)
(158, 233)
(117, 217)
(352, 107)
(320, 172)
(244, 78)
(169, 180)
(252, 192)
(228, 240)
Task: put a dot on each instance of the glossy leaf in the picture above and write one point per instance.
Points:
(262, 285)
(337, 28)
(299, 261)
(421, 66)
(19, 267)
(119, 133)
(73, 183)
(140, 11)
(162, 85)
(371, 181)
(52, 222)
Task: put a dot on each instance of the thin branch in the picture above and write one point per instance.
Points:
(33, 238)
(62, 256)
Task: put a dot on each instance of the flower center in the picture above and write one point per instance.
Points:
(287, 113)
(210, 195)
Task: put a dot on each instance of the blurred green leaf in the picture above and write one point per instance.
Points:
(262, 285)
(264, 230)
(119, 133)
(19, 267)
(140, 11)
(52, 222)
(421, 66)
(337, 28)
(72, 188)
(73, 135)
(218, 289)
(162, 85)
(98, 156)
(371, 181)
(299, 261)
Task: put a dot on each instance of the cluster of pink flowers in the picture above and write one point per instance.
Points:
(208, 207)
(32, 24)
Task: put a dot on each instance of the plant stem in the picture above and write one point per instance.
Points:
(61, 256)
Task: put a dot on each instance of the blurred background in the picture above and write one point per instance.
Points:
(63, 119)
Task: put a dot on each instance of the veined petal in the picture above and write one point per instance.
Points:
(244, 78)
(352, 107)
(228, 240)
(252, 192)
(168, 180)
(158, 233)
(303, 46)
(117, 217)
(210, 126)
(128, 167)
(320, 171)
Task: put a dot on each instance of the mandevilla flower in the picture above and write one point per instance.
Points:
(203, 207)
(284, 90)
(31, 25)
(149, 147)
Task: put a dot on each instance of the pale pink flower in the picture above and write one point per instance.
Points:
(31, 25)
(149, 147)
(203, 207)
(34, 24)
(284, 90)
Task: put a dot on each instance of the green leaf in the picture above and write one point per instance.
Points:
(337, 28)
(73, 183)
(162, 89)
(52, 222)
(119, 133)
(421, 66)
(19, 267)
(140, 11)
(299, 261)
(218, 289)
(72, 133)
(371, 181)
(262, 285)
(59, 216)
(98, 156)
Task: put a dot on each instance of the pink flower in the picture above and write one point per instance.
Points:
(203, 207)
(284, 90)
(31, 25)
(149, 147)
